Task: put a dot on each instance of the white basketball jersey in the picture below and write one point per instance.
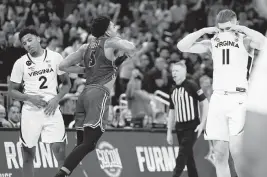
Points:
(231, 62)
(38, 75)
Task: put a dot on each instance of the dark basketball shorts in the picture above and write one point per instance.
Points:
(92, 107)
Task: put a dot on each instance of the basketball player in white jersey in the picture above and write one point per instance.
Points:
(41, 117)
(232, 50)
(255, 141)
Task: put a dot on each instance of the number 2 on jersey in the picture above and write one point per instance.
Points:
(225, 57)
(43, 79)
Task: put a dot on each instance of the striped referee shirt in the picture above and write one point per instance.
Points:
(184, 100)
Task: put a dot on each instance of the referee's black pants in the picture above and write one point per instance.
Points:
(186, 140)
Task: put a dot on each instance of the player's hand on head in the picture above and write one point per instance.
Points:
(38, 101)
(210, 30)
(238, 28)
(51, 107)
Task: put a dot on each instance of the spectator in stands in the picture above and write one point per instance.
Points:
(157, 77)
(16, 104)
(53, 44)
(8, 56)
(75, 44)
(74, 17)
(13, 117)
(138, 100)
(3, 122)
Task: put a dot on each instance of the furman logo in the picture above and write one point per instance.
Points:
(40, 72)
(227, 43)
(109, 159)
(157, 159)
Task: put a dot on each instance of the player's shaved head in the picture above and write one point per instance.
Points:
(225, 15)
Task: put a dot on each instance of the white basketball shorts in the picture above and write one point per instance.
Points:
(226, 115)
(35, 124)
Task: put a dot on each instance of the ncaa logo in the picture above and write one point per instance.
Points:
(109, 159)
(28, 63)
(217, 39)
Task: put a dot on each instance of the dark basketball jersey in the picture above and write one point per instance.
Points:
(99, 69)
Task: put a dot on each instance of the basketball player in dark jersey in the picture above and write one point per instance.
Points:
(100, 70)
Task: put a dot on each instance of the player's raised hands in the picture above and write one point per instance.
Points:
(51, 107)
(238, 28)
(37, 100)
(210, 30)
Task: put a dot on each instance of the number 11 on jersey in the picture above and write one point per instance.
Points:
(225, 57)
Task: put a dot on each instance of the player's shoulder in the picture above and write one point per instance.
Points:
(51, 53)
(23, 59)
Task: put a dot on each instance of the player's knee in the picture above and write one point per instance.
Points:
(221, 157)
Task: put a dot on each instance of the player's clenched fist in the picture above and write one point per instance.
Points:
(37, 100)
(210, 30)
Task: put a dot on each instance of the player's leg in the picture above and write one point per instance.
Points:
(54, 134)
(217, 132)
(96, 109)
(28, 157)
(236, 129)
(221, 157)
(30, 129)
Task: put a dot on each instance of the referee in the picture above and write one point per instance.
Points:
(185, 99)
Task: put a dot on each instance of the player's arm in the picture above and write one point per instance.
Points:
(204, 107)
(69, 64)
(13, 92)
(189, 43)
(66, 85)
(257, 39)
(120, 44)
(203, 103)
(65, 88)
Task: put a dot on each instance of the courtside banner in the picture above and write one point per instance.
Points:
(118, 154)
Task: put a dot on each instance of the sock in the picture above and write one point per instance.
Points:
(90, 138)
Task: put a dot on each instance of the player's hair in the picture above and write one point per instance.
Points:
(100, 25)
(225, 15)
(26, 31)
